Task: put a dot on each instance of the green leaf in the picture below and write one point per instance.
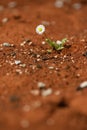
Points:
(56, 46)
(64, 41)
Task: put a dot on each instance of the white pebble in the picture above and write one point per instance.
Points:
(51, 67)
(17, 62)
(19, 71)
(43, 42)
(59, 4)
(47, 92)
(41, 85)
(38, 59)
(6, 44)
(23, 65)
(38, 56)
(4, 20)
(83, 84)
(22, 44)
(55, 56)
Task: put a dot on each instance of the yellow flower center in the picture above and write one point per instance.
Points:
(40, 29)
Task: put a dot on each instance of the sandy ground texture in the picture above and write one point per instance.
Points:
(42, 89)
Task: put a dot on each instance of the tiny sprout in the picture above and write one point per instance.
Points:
(58, 45)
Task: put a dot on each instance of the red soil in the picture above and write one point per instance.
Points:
(65, 108)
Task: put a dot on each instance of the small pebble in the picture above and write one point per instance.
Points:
(78, 75)
(26, 41)
(26, 108)
(45, 58)
(83, 84)
(57, 93)
(36, 104)
(17, 62)
(50, 122)
(38, 59)
(12, 4)
(65, 56)
(46, 23)
(7, 74)
(18, 71)
(4, 20)
(30, 43)
(55, 56)
(22, 44)
(43, 42)
(73, 61)
(59, 3)
(1, 7)
(85, 54)
(39, 66)
(24, 123)
(77, 6)
(41, 85)
(38, 56)
(51, 67)
(35, 92)
(6, 44)
(23, 65)
(46, 92)
(33, 67)
(11, 63)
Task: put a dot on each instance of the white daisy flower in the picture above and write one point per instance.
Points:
(40, 29)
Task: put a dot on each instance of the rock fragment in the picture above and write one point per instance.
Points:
(6, 44)
(4, 20)
(59, 4)
(24, 123)
(41, 85)
(17, 62)
(46, 92)
(82, 85)
(12, 4)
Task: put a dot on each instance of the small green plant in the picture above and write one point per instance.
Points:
(57, 45)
